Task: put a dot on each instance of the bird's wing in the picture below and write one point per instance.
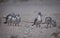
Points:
(35, 20)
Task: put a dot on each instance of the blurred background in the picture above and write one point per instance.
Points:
(28, 9)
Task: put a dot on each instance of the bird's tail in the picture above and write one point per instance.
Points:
(5, 22)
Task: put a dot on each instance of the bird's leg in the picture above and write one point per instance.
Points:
(15, 24)
(18, 24)
(39, 25)
(36, 26)
(47, 25)
(33, 24)
(50, 25)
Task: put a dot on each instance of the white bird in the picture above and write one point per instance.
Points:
(18, 19)
(38, 20)
(48, 21)
(13, 18)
